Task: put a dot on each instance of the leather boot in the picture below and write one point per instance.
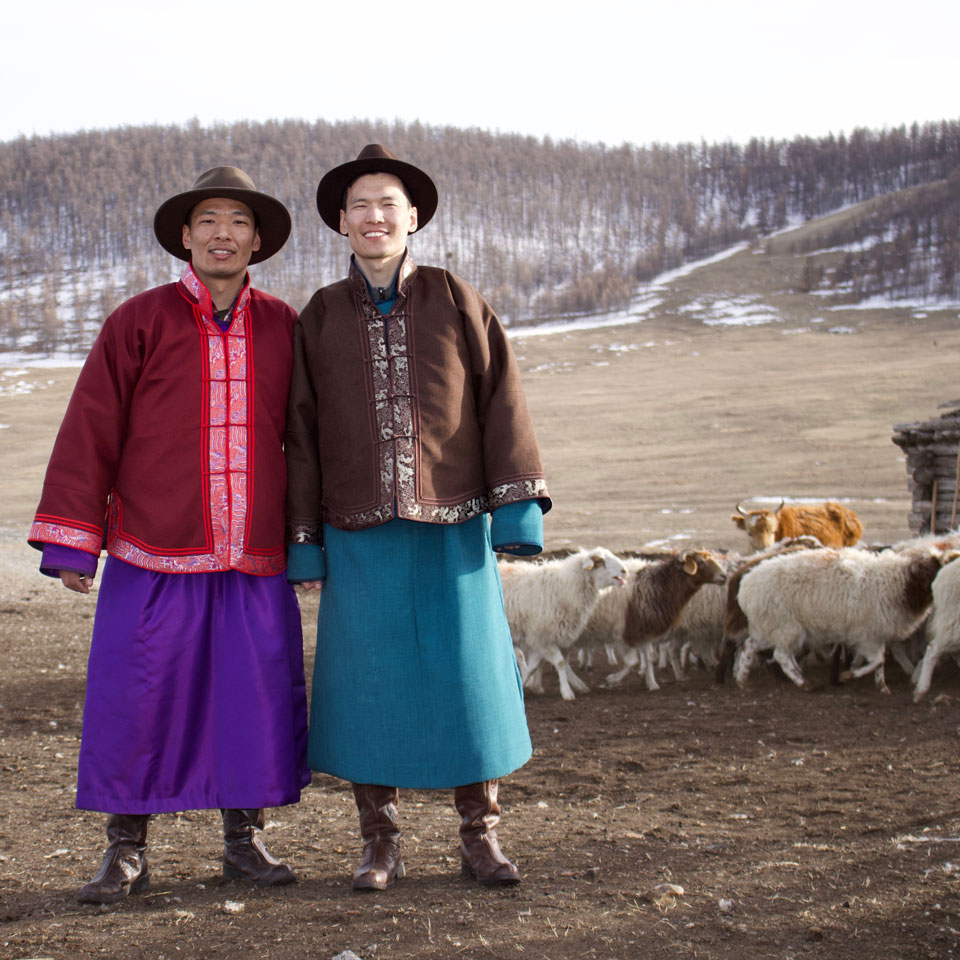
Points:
(381, 863)
(244, 855)
(124, 869)
(480, 855)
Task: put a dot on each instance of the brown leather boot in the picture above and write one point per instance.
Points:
(124, 869)
(480, 855)
(244, 855)
(381, 863)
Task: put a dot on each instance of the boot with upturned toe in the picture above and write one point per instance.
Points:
(480, 854)
(124, 869)
(381, 864)
(244, 855)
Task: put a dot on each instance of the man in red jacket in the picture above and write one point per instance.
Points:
(171, 448)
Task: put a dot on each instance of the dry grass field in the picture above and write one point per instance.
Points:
(821, 824)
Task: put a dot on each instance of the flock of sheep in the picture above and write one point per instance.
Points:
(806, 590)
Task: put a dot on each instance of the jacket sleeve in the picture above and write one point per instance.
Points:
(304, 481)
(512, 467)
(88, 448)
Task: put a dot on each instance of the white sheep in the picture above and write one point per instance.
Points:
(815, 599)
(943, 627)
(549, 603)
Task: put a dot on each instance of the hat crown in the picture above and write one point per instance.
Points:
(376, 151)
(230, 178)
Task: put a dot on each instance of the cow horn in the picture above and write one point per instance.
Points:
(782, 502)
(740, 509)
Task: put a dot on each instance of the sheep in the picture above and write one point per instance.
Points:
(658, 592)
(735, 623)
(943, 627)
(604, 628)
(822, 597)
(547, 606)
(699, 630)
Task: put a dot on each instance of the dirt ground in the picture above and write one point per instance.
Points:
(822, 824)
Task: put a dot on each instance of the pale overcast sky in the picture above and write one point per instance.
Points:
(592, 71)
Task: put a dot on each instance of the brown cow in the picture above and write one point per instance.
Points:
(831, 524)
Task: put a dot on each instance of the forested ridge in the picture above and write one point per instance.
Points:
(542, 228)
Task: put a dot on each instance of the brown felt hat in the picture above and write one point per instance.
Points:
(375, 158)
(273, 219)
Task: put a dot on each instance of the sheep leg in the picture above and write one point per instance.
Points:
(726, 657)
(575, 681)
(535, 681)
(925, 672)
(611, 652)
(521, 660)
(529, 664)
(743, 663)
(554, 655)
(679, 674)
(790, 667)
(872, 664)
(531, 672)
(898, 651)
(630, 659)
(649, 675)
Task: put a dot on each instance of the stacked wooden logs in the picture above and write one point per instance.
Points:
(932, 450)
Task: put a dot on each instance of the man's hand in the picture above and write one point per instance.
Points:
(311, 584)
(78, 582)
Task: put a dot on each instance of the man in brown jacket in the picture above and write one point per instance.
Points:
(407, 428)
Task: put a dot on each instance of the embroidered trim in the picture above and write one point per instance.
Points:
(517, 490)
(304, 533)
(66, 536)
(229, 386)
(196, 563)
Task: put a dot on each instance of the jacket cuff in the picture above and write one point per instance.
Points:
(305, 563)
(517, 528)
(57, 557)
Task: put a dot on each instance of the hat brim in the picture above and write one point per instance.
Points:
(422, 190)
(273, 219)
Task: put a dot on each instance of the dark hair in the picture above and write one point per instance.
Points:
(346, 189)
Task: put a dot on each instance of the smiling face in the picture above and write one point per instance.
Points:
(221, 235)
(377, 219)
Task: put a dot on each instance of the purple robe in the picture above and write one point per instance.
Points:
(195, 693)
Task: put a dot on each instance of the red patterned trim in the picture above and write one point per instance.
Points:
(226, 412)
(198, 563)
(66, 536)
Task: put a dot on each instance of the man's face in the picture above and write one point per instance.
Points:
(378, 217)
(221, 235)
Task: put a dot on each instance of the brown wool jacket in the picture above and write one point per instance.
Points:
(419, 414)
